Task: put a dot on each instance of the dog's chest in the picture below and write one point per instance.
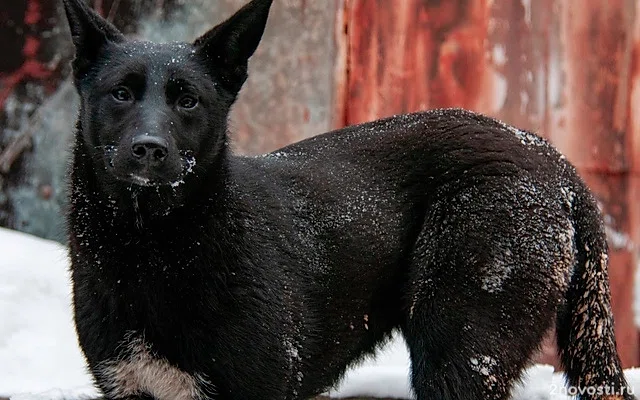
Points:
(138, 371)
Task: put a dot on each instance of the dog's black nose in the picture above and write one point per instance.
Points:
(149, 149)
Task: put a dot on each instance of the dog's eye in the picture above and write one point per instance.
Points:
(121, 93)
(187, 101)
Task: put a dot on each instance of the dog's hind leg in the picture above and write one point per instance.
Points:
(485, 282)
(455, 358)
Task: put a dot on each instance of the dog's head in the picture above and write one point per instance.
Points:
(150, 112)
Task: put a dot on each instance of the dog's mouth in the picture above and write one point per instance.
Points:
(141, 180)
(162, 176)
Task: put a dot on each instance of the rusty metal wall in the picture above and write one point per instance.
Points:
(289, 96)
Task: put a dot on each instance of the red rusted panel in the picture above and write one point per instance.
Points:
(516, 47)
(460, 75)
(500, 58)
(385, 41)
(634, 101)
(597, 38)
(411, 55)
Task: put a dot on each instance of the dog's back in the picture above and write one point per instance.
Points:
(199, 274)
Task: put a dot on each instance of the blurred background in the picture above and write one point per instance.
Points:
(566, 69)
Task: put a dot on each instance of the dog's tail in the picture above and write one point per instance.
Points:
(585, 330)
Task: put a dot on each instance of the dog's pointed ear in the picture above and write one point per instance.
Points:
(228, 46)
(89, 32)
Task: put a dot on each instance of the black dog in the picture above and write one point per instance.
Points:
(199, 275)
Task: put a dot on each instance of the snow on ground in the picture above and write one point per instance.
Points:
(38, 349)
(40, 358)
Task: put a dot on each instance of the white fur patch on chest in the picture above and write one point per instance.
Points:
(139, 371)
